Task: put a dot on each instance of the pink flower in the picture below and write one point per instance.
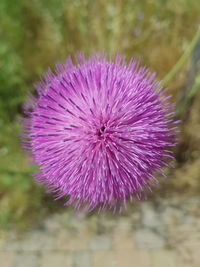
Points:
(99, 131)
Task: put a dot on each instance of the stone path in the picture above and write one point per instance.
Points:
(163, 233)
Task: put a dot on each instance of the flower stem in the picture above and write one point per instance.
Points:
(182, 59)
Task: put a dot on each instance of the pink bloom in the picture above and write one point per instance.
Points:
(99, 131)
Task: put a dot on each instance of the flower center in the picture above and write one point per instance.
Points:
(100, 132)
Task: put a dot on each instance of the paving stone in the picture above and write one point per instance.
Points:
(56, 259)
(72, 242)
(69, 241)
(106, 224)
(183, 235)
(33, 241)
(150, 218)
(123, 225)
(122, 241)
(164, 258)
(25, 259)
(37, 241)
(52, 224)
(184, 263)
(192, 206)
(12, 245)
(129, 258)
(7, 258)
(104, 258)
(82, 259)
(189, 256)
(147, 239)
(100, 242)
(149, 215)
(172, 216)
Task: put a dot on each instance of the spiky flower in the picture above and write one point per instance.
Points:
(99, 131)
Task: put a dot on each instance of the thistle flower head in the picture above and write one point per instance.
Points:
(99, 131)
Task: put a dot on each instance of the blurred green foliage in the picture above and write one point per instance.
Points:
(36, 34)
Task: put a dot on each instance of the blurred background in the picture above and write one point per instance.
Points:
(36, 34)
